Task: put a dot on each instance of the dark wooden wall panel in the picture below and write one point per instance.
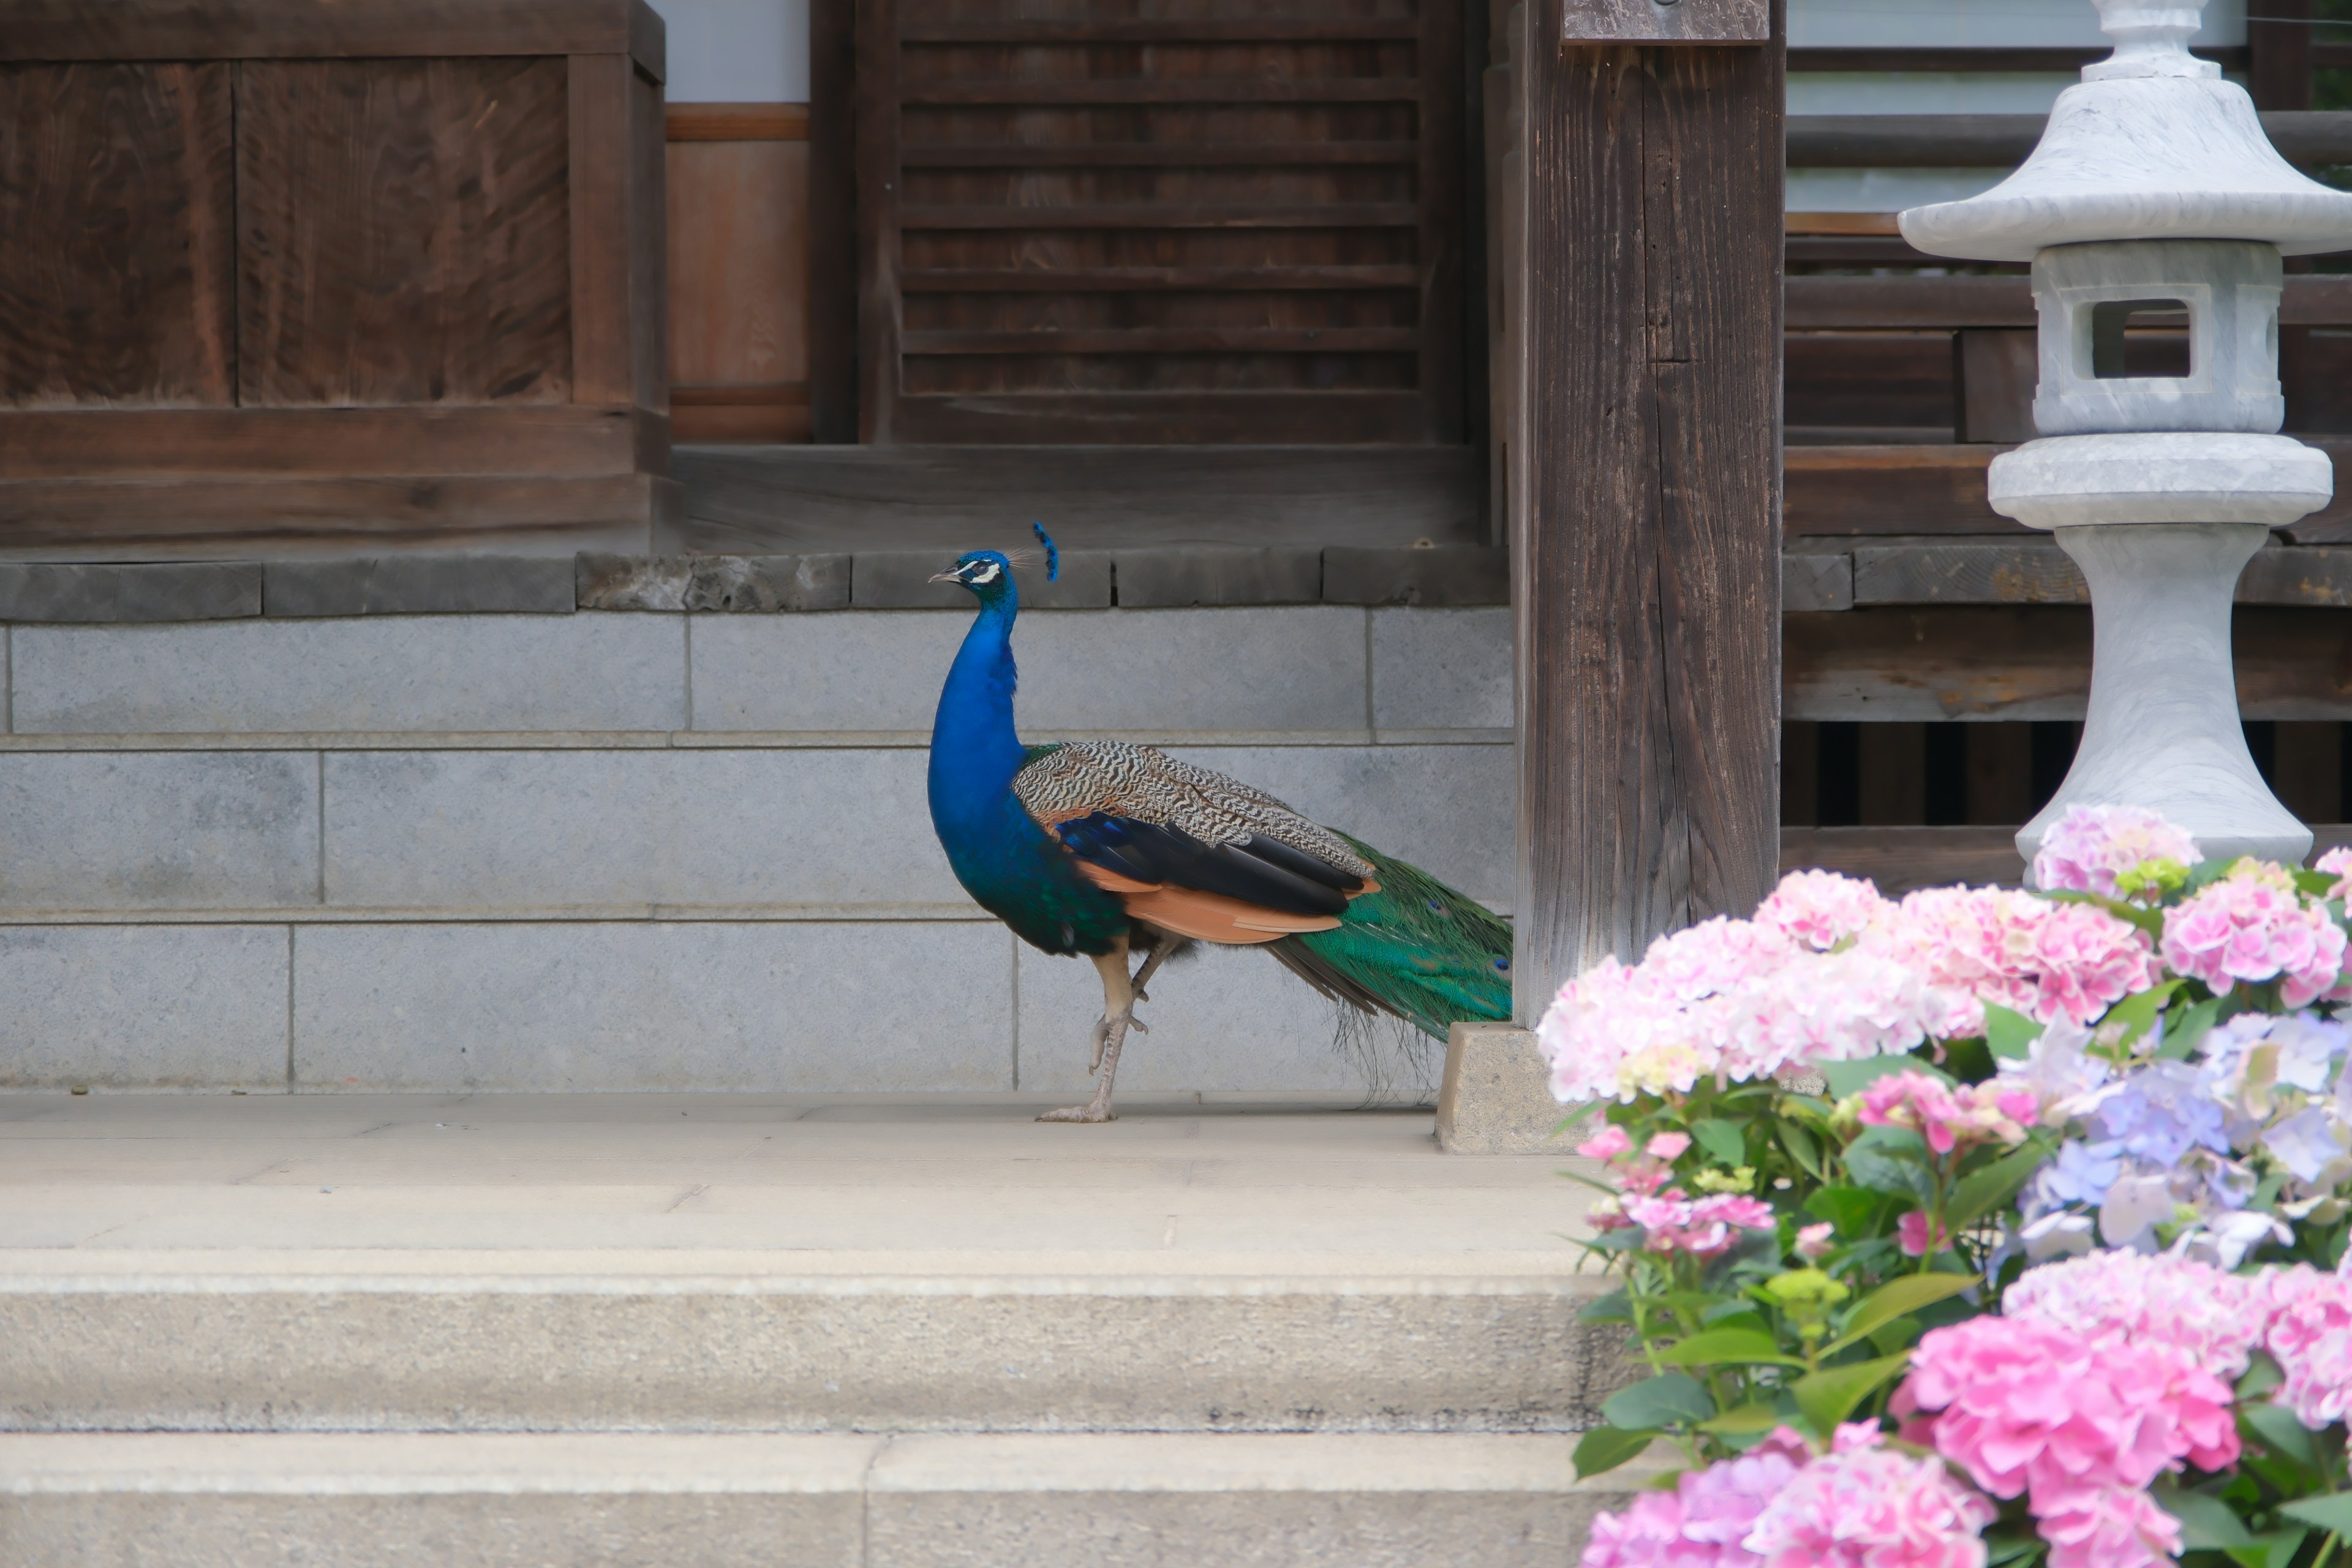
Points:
(115, 235)
(404, 232)
(1103, 220)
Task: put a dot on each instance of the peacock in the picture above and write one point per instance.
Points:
(1110, 849)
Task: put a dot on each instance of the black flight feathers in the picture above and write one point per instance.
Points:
(1258, 871)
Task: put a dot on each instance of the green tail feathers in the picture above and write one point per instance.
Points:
(1416, 949)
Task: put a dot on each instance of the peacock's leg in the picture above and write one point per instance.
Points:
(1168, 942)
(1111, 1032)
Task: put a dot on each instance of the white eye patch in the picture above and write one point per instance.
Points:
(987, 574)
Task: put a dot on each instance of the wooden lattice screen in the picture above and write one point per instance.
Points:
(1159, 220)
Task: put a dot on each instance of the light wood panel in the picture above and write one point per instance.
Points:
(738, 260)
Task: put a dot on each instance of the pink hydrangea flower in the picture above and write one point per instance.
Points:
(2251, 925)
(1868, 1506)
(1702, 1227)
(1820, 909)
(2215, 1316)
(2310, 1336)
(2110, 1527)
(1605, 1144)
(1667, 1145)
(2085, 850)
(1815, 1241)
(2029, 1407)
(1946, 1117)
(1703, 1522)
(1918, 1237)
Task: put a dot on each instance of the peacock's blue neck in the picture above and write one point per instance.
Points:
(974, 748)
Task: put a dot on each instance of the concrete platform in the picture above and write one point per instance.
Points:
(777, 1263)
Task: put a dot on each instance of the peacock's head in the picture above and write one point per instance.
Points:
(987, 572)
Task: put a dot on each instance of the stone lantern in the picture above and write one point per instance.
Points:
(2152, 196)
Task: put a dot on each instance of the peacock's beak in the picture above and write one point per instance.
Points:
(952, 574)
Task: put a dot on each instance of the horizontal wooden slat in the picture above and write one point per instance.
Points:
(2034, 662)
(1169, 340)
(737, 122)
(1168, 215)
(1833, 304)
(757, 394)
(1124, 91)
(1259, 418)
(308, 29)
(2311, 138)
(1123, 279)
(1966, 60)
(1900, 859)
(1889, 489)
(1218, 30)
(1153, 154)
(551, 438)
(183, 517)
(1875, 223)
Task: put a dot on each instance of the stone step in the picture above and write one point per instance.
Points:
(493, 1341)
(609, 1501)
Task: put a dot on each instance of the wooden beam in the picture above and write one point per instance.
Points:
(1902, 858)
(2302, 136)
(346, 29)
(1908, 666)
(1644, 486)
(1970, 60)
(737, 121)
(2278, 44)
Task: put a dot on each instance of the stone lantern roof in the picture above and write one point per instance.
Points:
(2152, 144)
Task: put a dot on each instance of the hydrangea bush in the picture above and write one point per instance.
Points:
(1984, 1226)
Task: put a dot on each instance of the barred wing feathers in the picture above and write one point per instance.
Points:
(1188, 848)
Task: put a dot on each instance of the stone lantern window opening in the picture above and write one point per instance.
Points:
(2113, 322)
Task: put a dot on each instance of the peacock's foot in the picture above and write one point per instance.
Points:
(1093, 1111)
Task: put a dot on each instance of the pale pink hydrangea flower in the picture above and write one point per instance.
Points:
(2215, 1316)
(1827, 1007)
(2251, 925)
(2110, 1527)
(1869, 1507)
(2048, 960)
(1819, 909)
(1703, 1522)
(2337, 863)
(1948, 1117)
(2086, 849)
(2029, 1407)
(2310, 1336)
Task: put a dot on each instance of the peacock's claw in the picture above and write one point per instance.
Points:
(1093, 1111)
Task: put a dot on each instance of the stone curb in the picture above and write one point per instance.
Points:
(1210, 575)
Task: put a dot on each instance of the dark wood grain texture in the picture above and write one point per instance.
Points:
(1712, 226)
(1900, 859)
(116, 201)
(1995, 372)
(833, 231)
(2278, 47)
(401, 233)
(736, 122)
(2302, 136)
(1645, 447)
(309, 29)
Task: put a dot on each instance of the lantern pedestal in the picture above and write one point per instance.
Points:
(2162, 730)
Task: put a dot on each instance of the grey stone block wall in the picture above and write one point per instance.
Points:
(646, 851)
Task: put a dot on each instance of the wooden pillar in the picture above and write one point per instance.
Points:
(1645, 473)
(2278, 50)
